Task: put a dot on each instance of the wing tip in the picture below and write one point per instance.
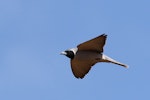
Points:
(79, 77)
(105, 35)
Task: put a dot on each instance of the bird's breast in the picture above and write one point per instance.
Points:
(87, 56)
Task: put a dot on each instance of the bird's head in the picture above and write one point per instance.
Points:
(70, 53)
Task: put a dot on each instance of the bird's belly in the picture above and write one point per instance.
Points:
(88, 57)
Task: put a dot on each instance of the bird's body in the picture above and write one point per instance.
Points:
(88, 54)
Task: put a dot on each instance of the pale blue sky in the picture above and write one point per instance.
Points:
(34, 32)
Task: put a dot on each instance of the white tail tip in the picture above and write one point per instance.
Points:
(108, 59)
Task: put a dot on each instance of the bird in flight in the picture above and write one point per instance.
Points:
(87, 54)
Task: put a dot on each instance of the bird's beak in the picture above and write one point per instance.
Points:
(63, 53)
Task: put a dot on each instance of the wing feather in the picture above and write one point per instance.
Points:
(80, 69)
(95, 44)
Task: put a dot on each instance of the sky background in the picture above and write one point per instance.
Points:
(34, 32)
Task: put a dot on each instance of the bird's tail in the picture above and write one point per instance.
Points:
(110, 60)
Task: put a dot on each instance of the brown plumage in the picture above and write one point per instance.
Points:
(88, 54)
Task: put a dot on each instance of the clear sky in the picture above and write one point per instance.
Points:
(34, 32)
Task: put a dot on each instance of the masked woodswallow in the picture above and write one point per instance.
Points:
(88, 54)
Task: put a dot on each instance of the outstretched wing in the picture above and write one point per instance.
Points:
(95, 44)
(79, 69)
